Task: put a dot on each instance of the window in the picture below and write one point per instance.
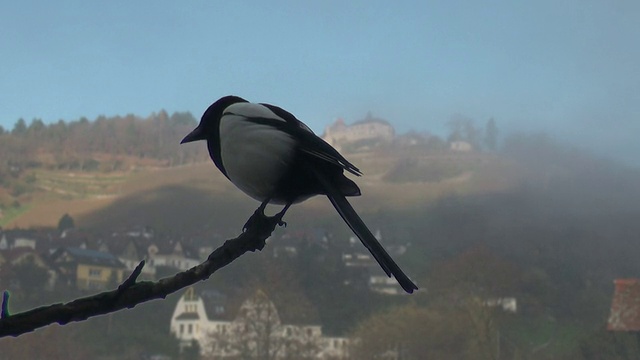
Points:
(93, 272)
(181, 329)
(189, 328)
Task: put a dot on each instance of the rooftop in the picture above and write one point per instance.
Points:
(625, 306)
(93, 257)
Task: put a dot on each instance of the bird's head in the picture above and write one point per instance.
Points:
(211, 119)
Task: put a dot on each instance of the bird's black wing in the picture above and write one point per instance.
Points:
(307, 141)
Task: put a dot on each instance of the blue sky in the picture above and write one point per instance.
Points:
(566, 67)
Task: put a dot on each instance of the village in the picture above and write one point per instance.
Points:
(288, 293)
(89, 263)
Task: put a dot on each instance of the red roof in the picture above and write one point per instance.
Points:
(625, 307)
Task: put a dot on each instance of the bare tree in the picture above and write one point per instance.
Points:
(258, 333)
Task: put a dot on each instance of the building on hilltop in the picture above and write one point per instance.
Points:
(363, 133)
(255, 329)
(461, 146)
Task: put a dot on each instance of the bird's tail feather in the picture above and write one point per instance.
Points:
(356, 224)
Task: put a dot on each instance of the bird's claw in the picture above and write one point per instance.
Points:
(259, 217)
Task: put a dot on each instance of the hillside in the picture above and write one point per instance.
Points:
(538, 221)
(195, 195)
(125, 170)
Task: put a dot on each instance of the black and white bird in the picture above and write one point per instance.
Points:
(275, 158)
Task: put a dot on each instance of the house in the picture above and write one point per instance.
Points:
(362, 268)
(16, 257)
(88, 269)
(383, 284)
(365, 132)
(460, 146)
(24, 255)
(507, 304)
(223, 331)
(24, 242)
(131, 251)
(176, 256)
(18, 239)
(625, 306)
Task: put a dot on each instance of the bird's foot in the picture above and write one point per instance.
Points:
(259, 227)
(280, 221)
(259, 219)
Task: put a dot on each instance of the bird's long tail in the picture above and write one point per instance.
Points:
(356, 224)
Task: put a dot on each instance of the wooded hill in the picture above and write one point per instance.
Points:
(78, 145)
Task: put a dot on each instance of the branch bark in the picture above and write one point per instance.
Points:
(131, 293)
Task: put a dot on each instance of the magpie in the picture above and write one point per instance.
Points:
(275, 158)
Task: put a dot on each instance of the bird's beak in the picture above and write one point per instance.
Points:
(195, 135)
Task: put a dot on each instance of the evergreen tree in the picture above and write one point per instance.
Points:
(66, 222)
(20, 128)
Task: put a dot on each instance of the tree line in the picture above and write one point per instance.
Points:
(80, 144)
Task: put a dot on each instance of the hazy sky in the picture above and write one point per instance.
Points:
(566, 67)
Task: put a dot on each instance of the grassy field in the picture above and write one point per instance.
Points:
(198, 195)
(11, 213)
(70, 185)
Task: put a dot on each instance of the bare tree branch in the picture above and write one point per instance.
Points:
(131, 293)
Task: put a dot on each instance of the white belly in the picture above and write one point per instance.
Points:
(254, 156)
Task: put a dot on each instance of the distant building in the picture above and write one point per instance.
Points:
(507, 304)
(362, 267)
(368, 130)
(88, 269)
(130, 251)
(26, 256)
(460, 146)
(174, 255)
(625, 306)
(18, 239)
(383, 284)
(255, 326)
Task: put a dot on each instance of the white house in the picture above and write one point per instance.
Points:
(253, 329)
(507, 304)
(176, 257)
